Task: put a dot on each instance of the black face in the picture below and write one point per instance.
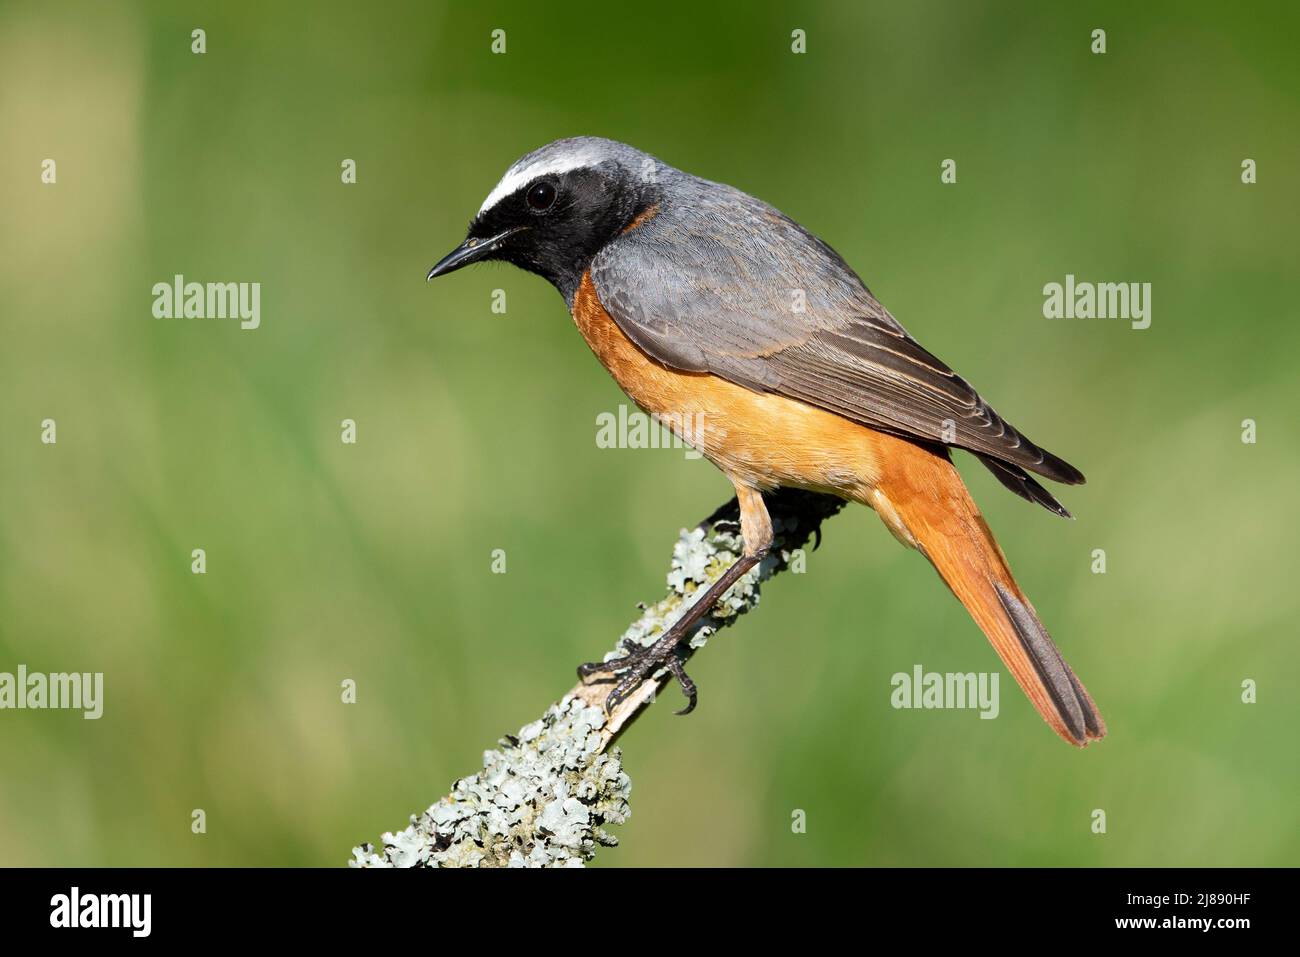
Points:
(553, 225)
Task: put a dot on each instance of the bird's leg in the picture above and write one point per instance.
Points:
(640, 662)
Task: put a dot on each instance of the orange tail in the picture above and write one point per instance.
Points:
(925, 504)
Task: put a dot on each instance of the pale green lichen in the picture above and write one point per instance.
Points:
(545, 795)
(541, 800)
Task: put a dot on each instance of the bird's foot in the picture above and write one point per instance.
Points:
(636, 666)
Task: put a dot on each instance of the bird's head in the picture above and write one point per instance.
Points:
(557, 206)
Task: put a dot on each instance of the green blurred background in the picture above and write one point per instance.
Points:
(477, 431)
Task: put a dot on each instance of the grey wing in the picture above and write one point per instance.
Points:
(734, 288)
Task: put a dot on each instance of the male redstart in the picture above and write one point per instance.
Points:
(710, 307)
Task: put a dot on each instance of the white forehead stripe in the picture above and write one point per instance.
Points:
(517, 175)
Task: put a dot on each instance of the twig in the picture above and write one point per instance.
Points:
(545, 794)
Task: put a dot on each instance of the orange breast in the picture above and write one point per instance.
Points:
(758, 439)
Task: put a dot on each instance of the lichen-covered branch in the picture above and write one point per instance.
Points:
(545, 794)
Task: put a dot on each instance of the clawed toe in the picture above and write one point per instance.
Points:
(615, 666)
(636, 666)
(589, 668)
(684, 681)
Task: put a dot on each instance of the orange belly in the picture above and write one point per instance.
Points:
(758, 439)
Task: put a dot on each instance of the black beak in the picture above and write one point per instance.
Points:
(470, 251)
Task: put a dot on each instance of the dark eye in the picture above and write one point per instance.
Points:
(541, 196)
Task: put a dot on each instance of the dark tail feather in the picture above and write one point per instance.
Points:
(1019, 481)
(1057, 469)
(1072, 700)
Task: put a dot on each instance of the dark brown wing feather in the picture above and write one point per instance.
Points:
(890, 382)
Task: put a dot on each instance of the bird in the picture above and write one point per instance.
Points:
(709, 306)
